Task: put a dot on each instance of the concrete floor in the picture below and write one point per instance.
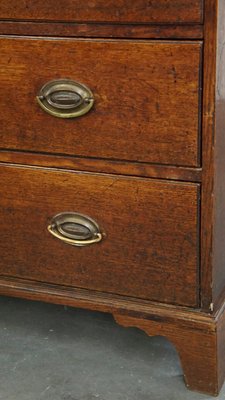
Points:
(50, 352)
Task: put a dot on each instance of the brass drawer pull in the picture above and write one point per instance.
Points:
(65, 98)
(75, 229)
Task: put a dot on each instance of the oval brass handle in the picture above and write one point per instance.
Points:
(75, 229)
(64, 98)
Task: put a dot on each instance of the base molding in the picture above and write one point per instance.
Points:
(196, 347)
(198, 337)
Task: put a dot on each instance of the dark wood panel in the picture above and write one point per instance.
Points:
(208, 143)
(144, 111)
(102, 30)
(98, 165)
(155, 11)
(213, 145)
(197, 349)
(219, 186)
(151, 245)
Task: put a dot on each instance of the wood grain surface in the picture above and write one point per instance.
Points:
(218, 277)
(208, 144)
(103, 30)
(155, 11)
(157, 128)
(197, 349)
(169, 172)
(213, 148)
(145, 111)
(151, 245)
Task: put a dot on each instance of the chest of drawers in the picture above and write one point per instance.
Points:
(112, 166)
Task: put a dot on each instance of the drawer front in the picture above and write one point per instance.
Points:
(150, 247)
(142, 11)
(147, 101)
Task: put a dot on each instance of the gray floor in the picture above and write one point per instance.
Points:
(57, 353)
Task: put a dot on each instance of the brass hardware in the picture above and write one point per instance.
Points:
(75, 229)
(64, 98)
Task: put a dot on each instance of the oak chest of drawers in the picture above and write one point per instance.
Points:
(112, 166)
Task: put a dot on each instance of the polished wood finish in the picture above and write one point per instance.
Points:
(200, 366)
(100, 301)
(218, 277)
(142, 252)
(145, 162)
(208, 123)
(123, 11)
(142, 31)
(169, 172)
(213, 188)
(146, 111)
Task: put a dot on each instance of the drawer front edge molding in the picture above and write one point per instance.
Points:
(157, 11)
(169, 172)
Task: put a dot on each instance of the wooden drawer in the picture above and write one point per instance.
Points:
(142, 11)
(147, 102)
(150, 248)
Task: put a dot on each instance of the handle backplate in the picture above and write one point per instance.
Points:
(65, 98)
(75, 229)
